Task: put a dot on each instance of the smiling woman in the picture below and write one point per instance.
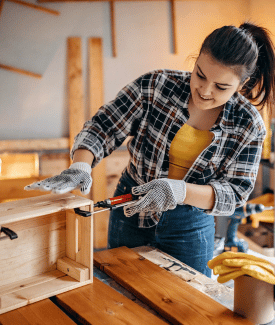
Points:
(195, 144)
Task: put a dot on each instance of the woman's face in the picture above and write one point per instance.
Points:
(212, 84)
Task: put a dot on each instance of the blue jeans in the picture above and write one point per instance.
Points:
(186, 233)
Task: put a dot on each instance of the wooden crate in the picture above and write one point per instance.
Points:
(53, 252)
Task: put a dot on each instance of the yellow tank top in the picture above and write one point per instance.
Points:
(186, 146)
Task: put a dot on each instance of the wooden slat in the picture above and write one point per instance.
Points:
(21, 71)
(43, 313)
(173, 21)
(34, 145)
(33, 6)
(113, 27)
(96, 95)
(99, 304)
(40, 205)
(175, 300)
(75, 87)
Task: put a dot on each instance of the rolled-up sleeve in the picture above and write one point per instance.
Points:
(111, 125)
(232, 190)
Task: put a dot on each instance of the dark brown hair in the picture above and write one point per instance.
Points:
(250, 52)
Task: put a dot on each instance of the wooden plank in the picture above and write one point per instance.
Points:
(75, 87)
(99, 304)
(96, 95)
(113, 27)
(39, 292)
(34, 145)
(176, 301)
(43, 313)
(37, 206)
(30, 282)
(84, 254)
(33, 6)
(21, 71)
(217, 291)
(173, 21)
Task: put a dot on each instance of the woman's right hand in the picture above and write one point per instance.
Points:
(77, 176)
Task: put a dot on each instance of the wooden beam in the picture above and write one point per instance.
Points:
(173, 22)
(113, 27)
(31, 5)
(75, 87)
(34, 145)
(96, 94)
(25, 72)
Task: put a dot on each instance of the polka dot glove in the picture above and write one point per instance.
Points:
(78, 176)
(161, 195)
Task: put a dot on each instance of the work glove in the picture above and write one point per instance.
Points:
(77, 176)
(161, 195)
(230, 265)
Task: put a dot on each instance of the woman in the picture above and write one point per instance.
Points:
(195, 145)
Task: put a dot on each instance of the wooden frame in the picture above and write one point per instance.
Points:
(53, 252)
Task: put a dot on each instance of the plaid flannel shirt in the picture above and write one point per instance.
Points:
(150, 110)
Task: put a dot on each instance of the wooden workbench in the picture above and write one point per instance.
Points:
(135, 286)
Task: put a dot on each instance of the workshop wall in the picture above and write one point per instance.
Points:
(32, 40)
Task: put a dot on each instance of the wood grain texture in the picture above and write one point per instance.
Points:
(21, 71)
(41, 205)
(173, 299)
(113, 27)
(75, 87)
(43, 313)
(33, 6)
(99, 304)
(96, 100)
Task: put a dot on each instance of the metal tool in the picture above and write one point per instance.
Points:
(10, 234)
(109, 204)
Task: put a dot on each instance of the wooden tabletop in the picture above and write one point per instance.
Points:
(135, 286)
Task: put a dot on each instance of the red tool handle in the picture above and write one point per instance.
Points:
(121, 199)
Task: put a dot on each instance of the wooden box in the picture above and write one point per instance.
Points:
(53, 252)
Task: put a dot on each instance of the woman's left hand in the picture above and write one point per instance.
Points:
(161, 195)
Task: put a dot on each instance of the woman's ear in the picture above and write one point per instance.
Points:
(242, 84)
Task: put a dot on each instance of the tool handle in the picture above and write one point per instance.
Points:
(9, 233)
(122, 199)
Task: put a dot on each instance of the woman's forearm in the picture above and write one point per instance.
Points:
(83, 155)
(200, 196)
